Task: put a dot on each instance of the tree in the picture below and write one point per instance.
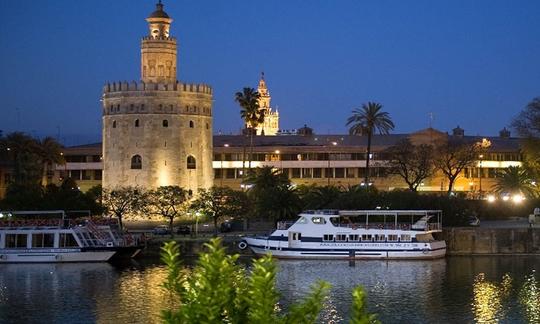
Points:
(272, 194)
(413, 163)
(122, 201)
(168, 202)
(527, 125)
(218, 290)
(219, 202)
(454, 155)
(314, 197)
(251, 113)
(366, 121)
(515, 180)
(50, 152)
(21, 151)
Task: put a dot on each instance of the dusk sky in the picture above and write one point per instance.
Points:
(471, 63)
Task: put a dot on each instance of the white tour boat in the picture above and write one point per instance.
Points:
(29, 237)
(359, 234)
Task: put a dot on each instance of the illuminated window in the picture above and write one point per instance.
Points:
(191, 163)
(136, 162)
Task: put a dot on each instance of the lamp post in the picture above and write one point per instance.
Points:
(197, 214)
(328, 168)
(280, 160)
(481, 156)
(222, 173)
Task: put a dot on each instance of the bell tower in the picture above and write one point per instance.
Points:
(158, 49)
(270, 125)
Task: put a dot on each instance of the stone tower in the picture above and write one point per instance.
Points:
(270, 126)
(157, 131)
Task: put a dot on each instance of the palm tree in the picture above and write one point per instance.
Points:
(251, 113)
(50, 152)
(513, 180)
(366, 121)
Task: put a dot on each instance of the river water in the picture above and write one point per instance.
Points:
(490, 289)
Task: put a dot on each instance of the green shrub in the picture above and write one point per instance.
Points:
(218, 290)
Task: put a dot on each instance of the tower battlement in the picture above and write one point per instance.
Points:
(159, 38)
(121, 86)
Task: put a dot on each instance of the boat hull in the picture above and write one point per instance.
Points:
(348, 250)
(55, 256)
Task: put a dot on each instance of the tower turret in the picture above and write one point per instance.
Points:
(158, 49)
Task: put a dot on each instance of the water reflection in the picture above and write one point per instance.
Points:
(529, 297)
(489, 298)
(458, 289)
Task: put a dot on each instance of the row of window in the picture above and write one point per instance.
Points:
(366, 238)
(164, 123)
(82, 174)
(136, 162)
(39, 240)
(471, 173)
(162, 108)
(311, 173)
(338, 156)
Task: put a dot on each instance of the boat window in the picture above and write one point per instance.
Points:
(17, 241)
(405, 237)
(296, 236)
(341, 237)
(379, 237)
(318, 220)
(392, 237)
(366, 237)
(302, 220)
(353, 237)
(67, 240)
(328, 237)
(43, 240)
(334, 221)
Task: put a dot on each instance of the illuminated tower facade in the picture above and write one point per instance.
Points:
(157, 131)
(270, 126)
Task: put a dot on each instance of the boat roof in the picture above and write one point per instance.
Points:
(334, 212)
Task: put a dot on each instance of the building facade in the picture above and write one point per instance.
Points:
(270, 125)
(157, 131)
(337, 160)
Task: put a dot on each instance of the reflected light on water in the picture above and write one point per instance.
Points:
(529, 297)
(488, 298)
(139, 297)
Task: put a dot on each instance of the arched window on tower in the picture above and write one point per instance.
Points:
(191, 162)
(191, 124)
(136, 162)
(137, 123)
(165, 123)
(114, 124)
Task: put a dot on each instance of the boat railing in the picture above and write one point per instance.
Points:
(403, 227)
(283, 225)
(32, 223)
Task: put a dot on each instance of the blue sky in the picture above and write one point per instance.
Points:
(471, 63)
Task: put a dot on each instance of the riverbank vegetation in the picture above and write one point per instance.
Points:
(219, 290)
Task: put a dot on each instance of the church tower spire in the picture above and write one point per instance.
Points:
(158, 49)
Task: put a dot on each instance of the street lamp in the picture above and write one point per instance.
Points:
(280, 160)
(481, 156)
(197, 214)
(222, 173)
(328, 169)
